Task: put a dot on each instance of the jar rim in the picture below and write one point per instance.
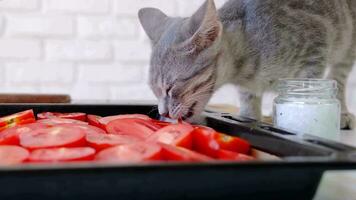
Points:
(307, 86)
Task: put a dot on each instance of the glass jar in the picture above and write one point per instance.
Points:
(308, 106)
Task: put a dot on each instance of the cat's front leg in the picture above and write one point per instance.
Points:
(250, 104)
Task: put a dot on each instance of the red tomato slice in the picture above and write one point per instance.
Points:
(230, 155)
(105, 120)
(231, 143)
(10, 136)
(176, 134)
(204, 141)
(131, 153)
(94, 121)
(135, 127)
(62, 154)
(170, 152)
(161, 123)
(75, 116)
(87, 128)
(104, 141)
(24, 117)
(58, 136)
(59, 121)
(11, 155)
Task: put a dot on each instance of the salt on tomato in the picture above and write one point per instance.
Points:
(105, 120)
(76, 116)
(59, 121)
(94, 121)
(104, 141)
(131, 153)
(175, 134)
(232, 143)
(135, 127)
(10, 136)
(25, 117)
(58, 136)
(12, 155)
(233, 156)
(62, 154)
(173, 153)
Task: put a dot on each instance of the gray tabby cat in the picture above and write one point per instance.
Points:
(249, 43)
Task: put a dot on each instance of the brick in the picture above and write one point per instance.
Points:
(78, 50)
(111, 74)
(90, 92)
(39, 25)
(128, 50)
(120, 27)
(188, 7)
(19, 5)
(78, 6)
(19, 48)
(132, 93)
(38, 72)
(131, 7)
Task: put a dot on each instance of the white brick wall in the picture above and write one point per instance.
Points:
(91, 49)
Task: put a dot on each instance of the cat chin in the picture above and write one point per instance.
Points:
(198, 119)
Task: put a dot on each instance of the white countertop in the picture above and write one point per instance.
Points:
(339, 185)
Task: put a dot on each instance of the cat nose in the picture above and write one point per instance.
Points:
(162, 109)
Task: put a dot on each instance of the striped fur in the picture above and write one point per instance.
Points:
(249, 43)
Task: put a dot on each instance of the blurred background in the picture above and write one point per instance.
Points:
(90, 49)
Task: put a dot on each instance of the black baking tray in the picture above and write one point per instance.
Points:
(294, 177)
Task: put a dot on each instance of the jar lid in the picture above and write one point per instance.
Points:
(307, 86)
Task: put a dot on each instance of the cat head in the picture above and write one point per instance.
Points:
(184, 59)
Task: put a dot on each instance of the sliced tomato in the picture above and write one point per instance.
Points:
(11, 155)
(24, 117)
(204, 141)
(105, 120)
(62, 154)
(75, 116)
(174, 153)
(161, 123)
(232, 143)
(104, 141)
(10, 136)
(231, 155)
(86, 128)
(58, 136)
(94, 121)
(131, 153)
(59, 121)
(135, 127)
(175, 134)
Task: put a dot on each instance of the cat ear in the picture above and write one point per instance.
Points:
(152, 21)
(205, 28)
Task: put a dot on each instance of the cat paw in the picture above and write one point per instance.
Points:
(347, 121)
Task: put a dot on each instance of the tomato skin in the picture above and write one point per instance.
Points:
(173, 153)
(131, 153)
(204, 141)
(135, 127)
(175, 134)
(62, 154)
(231, 143)
(20, 118)
(10, 136)
(106, 120)
(233, 156)
(59, 136)
(104, 141)
(12, 155)
(75, 116)
(94, 121)
(60, 121)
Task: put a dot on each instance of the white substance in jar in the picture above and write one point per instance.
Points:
(308, 106)
(317, 119)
